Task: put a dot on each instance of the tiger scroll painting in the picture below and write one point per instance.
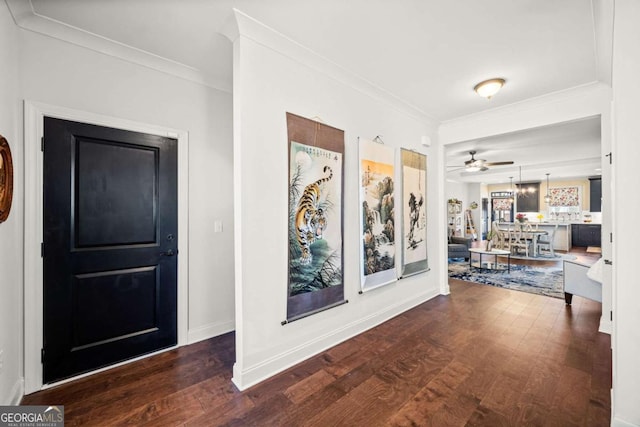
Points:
(377, 224)
(315, 280)
(414, 220)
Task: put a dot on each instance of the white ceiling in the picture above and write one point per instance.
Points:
(428, 53)
(565, 151)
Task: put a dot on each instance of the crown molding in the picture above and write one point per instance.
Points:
(250, 28)
(26, 18)
(588, 100)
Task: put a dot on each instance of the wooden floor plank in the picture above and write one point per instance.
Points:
(306, 387)
(481, 356)
(430, 399)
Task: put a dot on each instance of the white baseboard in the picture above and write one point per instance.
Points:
(243, 379)
(617, 422)
(209, 331)
(17, 392)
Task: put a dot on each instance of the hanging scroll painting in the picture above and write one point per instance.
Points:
(377, 213)
(414, 220)
(315, 281)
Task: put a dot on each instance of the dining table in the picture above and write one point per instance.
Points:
(530, 232)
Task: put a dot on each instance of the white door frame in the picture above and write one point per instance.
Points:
(34, 114)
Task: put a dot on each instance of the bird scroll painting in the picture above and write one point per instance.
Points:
(377, 224)
(414, 220)
(315, 217)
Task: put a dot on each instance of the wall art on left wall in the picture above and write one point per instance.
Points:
(315, 221)
(6, 179)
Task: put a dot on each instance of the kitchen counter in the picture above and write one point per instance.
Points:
(566, 222)
(562, 239)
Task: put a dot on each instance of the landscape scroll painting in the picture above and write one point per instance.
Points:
(315, 280)
(377, 224)
(414, 220)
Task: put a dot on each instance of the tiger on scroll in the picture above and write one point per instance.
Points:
(310, 219)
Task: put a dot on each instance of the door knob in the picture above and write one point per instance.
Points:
(169, 253)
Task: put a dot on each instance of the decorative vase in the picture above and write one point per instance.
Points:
(489, 245)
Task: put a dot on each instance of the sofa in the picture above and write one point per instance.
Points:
(459, 247)
(582, 280)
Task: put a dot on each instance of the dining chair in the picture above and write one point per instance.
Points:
(529, 236)
(519, 240)
(547, 241)
(506, 239)
(499, 238)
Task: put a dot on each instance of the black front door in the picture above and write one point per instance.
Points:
(110, 246)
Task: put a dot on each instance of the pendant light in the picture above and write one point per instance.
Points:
(511, 189)
(523, 192)
(547, 198)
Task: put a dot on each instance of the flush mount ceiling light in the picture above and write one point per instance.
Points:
(488, 88)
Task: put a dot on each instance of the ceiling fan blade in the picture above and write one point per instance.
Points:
(499, 163)
(457, 168)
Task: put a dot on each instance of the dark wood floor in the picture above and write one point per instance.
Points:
(482, 356)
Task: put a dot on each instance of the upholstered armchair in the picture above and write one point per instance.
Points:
(459, 247)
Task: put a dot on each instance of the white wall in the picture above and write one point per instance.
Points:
(457, 190)
(626, 151)
(65, 75)
(59, 73)
(11, 244)
(468, 193)
(475, 194)
(267, 84)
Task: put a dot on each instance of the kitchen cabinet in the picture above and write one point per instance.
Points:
(528, 202)
(584, 235)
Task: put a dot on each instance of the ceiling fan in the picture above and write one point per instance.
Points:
(476, 165)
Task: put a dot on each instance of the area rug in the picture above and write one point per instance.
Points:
(525, 278)
(546, 257)
(594, 250)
